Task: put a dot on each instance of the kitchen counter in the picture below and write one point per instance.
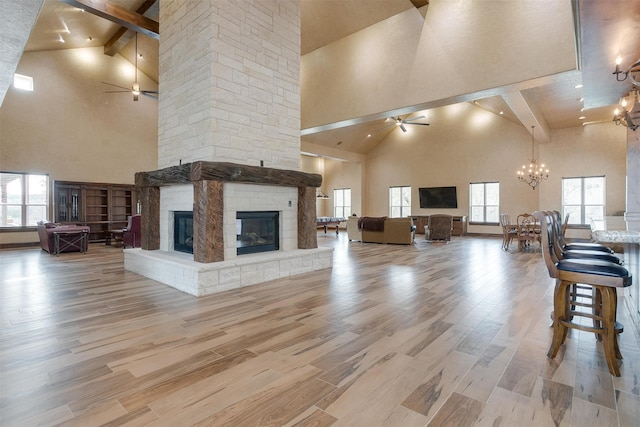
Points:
(614, 230)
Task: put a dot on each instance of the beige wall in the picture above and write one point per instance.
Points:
(70, 129)
(335, 174)
(339, 174)
(466, 144)
(460, 47)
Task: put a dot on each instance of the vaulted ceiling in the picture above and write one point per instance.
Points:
(604, 31)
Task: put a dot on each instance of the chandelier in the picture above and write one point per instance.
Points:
(623, 114)
(534, 173)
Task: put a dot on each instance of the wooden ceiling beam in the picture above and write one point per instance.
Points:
(124, 35)
(419, 3)
(114, 13)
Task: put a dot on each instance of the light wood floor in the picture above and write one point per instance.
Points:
(428, 334)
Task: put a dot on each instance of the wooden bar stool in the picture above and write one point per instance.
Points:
(602, 277)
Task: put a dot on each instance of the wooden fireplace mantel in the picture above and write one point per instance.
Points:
(226, 172)
(207, 179)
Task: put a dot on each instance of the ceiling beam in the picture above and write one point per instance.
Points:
(419, 3)
(114, 13)
(121, 37)
(528, 114)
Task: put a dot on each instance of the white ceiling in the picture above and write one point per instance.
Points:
(606, 29)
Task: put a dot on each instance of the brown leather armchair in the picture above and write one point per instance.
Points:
(131, 234)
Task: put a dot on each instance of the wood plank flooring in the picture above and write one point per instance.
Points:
(423, 335)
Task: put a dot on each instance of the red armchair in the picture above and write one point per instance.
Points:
(131, 234)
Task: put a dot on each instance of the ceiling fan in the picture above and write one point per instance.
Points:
(397, 121)
(135, 88)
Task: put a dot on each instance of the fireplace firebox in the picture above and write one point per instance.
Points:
(183, 231)
(257, 232)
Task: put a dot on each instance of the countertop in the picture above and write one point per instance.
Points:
(613, 230)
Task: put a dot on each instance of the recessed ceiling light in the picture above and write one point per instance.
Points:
(581, 100)
(369, 136)
(582, 109)
(578, 86)
(501, 112)
(581, 118)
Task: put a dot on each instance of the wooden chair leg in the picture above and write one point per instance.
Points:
(608, 329)
(560, 306)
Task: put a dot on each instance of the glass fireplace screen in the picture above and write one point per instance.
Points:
(183, 231)
(257, 232)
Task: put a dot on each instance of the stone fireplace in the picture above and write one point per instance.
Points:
(217, 194)
(230, 104)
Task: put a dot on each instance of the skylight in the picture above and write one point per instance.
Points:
(23, 82)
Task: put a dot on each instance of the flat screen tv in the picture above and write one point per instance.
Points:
(438, 198)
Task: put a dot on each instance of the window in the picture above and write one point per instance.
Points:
(23, 199)
(485, 202)
(341, 202)
(23, 82)
(583, 199)
(399, 202)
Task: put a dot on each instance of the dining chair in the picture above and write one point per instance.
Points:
(528, 230)
(509, 231)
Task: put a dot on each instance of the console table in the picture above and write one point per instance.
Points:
(69, 239)
(459, 224)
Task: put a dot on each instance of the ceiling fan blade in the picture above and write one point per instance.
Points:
(413, 119)
(111, 84)
(404, 129)
(150, 91)
(135, 97)
(419, 124)
(150, 95)
(117, 91)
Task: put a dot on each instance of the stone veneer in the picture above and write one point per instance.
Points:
(179, 271)
(229, 82)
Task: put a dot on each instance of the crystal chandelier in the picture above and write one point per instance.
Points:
(534, 173)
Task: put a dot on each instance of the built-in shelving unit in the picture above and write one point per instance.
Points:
(102, 207)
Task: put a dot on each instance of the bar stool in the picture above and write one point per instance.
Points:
(602, 276)
(564, 251)
(577, 290)
(589, 246)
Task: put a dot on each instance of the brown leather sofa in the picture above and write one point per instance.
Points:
(393, 230)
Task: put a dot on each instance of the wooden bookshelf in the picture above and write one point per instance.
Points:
(101, 206)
